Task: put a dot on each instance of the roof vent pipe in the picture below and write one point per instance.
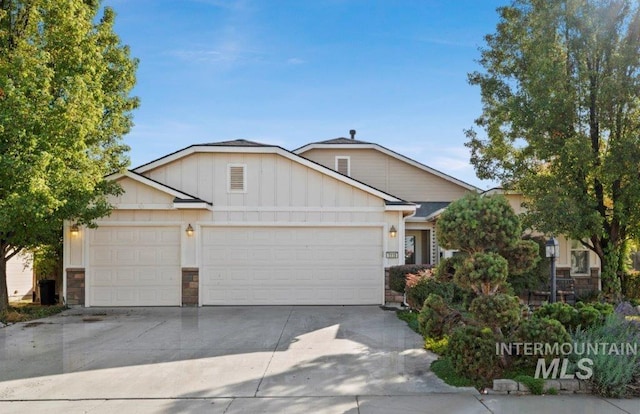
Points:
(352, 133)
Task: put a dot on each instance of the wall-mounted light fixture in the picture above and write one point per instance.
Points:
(189, 230)
(393, 232)
(74, 230)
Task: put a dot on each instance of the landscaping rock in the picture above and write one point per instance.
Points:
(505, 385)
(569, 385)
(585, 386)
(523, 388)
(551, 384)
(626, 309)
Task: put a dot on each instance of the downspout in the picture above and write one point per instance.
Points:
(404, 227)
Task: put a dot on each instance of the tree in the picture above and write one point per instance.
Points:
(561, 110)
(65, 81)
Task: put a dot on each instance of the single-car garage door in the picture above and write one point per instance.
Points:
(291, 265)
(134, 266)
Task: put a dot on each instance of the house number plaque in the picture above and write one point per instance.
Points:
(391, 255)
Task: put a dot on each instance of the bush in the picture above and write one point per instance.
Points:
(420, 286)
(398, 275)
(438, 346)
(472, 351)
(496, 310)
(631, 284)
(584, 315)
(539, 330)
(615, 375)
(482, 272)
(436, 318)
(447, 268)
(533, 278)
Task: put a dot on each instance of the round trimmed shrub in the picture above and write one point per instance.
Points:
(472, 351)
(482, 272)
(436, 319)
(539, 330)
(498, 311)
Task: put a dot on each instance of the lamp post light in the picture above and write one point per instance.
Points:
(552, 251)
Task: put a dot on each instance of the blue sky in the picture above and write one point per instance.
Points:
(290, 72)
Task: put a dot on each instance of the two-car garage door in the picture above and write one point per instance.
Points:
(291, 265)
(140, 266)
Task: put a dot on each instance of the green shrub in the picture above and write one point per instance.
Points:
(436, 318)
(420, 286)
(539, 330)
(447, 268)
(438, 346)
(631, 284)
(410, 317)
(482, 272)
(472, 351)
(584, 315)
(496, 310)
(535, 385)
(398, 275)
(561, 312)
(535, 277)
(615, 375)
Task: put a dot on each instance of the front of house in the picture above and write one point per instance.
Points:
(243, 223)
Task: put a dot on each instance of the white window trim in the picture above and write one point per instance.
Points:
(581, 248)
(344, 157)
(244, 178)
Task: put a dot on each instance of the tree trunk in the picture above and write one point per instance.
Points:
(4, 291)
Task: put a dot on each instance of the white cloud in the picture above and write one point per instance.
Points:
(295, 61)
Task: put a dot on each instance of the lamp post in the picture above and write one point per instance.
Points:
(552, 251)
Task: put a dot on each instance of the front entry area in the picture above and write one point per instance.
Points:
(418, 247)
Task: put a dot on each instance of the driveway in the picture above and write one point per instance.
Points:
(217, 353)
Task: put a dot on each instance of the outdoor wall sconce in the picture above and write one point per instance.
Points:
(189, 230)
(74, 230)
(393, 232)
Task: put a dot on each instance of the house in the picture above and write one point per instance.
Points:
(244, 223)
(20, 278)
(232, 223)
(382, 168)
(574, 260)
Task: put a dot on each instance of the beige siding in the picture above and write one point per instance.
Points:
(141, 195)
(390, 174)
(272, 181)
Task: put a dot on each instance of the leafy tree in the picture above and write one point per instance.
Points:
(561, 109)
(65, 81)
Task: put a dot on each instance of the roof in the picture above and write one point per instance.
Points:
(342, 140)
(355, 144)
(245, 146)
(427, 208)
(236, 143)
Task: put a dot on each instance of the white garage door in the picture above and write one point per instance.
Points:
(134, 266)
(291, 265)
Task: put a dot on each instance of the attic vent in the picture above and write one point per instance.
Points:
(237, 178)
(343, 165)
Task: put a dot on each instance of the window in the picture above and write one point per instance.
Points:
(579, 258)
(410, 249)
(237, 180)
(343, 165)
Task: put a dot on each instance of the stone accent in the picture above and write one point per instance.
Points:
(391, 296)
(582, 284)
(75, 287)
(568, 386)
(505, 385)
(190, 283)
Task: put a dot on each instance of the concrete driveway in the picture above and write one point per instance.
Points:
(216, 355)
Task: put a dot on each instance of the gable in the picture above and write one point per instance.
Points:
(138, 195)
(391, 173)
(271, 179)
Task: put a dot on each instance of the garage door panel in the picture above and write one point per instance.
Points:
(134, 266)
(291, 265)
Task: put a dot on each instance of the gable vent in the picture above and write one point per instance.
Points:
(343, 165)
(237, 179)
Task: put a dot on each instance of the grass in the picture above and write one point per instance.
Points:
(444, 370)
(410, 317)
(23, 312)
